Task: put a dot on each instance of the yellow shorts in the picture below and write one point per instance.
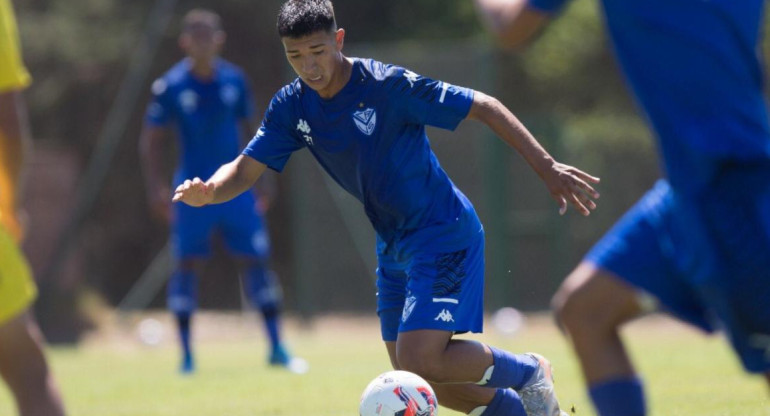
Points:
(17, 289)
(13, 74)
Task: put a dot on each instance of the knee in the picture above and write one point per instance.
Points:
(422, 364)
(577, 309)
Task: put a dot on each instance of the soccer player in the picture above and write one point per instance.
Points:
(698, 243)
(208, 102)
(364, 122)
(22, 361)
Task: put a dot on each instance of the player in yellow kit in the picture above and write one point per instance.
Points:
(22, 362)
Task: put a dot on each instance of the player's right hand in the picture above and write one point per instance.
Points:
(195, 193)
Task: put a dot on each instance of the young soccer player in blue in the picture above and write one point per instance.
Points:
(698, 243)
(208, 102)
(364, 122)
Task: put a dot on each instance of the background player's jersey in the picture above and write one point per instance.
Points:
(694, 67)
(206, 115)
(370, 138)
(13, 74)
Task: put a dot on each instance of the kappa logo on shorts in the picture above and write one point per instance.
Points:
(408, 308)
(365, 120)
(445, 316)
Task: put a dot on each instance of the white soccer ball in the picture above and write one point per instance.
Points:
(398, 393)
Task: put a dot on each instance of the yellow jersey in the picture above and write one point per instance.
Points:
(13, 74)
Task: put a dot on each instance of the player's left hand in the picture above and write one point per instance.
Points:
(570, 185)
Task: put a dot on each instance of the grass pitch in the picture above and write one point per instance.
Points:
(114, 373)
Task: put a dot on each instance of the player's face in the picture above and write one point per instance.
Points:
(202, 41)
(317, 59)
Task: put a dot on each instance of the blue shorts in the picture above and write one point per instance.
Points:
(706, 259)
(442, 291)
(237, 221)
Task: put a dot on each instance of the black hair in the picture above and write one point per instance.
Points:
(299, 18)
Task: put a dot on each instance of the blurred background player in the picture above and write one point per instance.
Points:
(365, 124)
(208, 102)
(22, 362)
(698, 243)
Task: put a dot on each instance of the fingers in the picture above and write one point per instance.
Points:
(584, 176)
(188, 189)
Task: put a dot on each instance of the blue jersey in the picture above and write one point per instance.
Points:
(370, 138)
(205, 114)
(694, 67)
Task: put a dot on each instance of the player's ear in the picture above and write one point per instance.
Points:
(339, 37)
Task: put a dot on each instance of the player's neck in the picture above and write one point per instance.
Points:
(203, 70)
(339, 80)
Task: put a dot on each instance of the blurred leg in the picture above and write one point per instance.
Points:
(182, 301)
(23, 366)
(591, 305)
(265, 294)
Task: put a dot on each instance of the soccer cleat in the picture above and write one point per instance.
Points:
(187, 366)
(537, 394)
(279, 356)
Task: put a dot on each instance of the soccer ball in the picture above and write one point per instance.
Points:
(398, 393)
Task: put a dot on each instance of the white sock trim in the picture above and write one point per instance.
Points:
(477, 411)
(487, 375)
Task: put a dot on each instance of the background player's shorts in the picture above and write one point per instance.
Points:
(442, 291)
(17, 289)
(13, 75)
(706, 259)
(237, 221)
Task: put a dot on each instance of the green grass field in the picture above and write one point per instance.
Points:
(113, 373)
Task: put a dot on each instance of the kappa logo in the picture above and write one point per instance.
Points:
(408, 308)
(365, 120)
(303, 127)
(445, 316)
(411, 77)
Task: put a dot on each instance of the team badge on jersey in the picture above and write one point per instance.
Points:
(229, 94)
(188, 99)
(365, 120)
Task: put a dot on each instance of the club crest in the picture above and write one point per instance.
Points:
(365, 120)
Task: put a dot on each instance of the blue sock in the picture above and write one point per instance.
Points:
(619, 397)
(511, 370)
(264, 293)
(183, 321)
(505, 403)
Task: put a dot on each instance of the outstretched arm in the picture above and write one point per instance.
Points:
(513, 22)
(14, 146)
(229, 181)
(566, 183)
(151, 146)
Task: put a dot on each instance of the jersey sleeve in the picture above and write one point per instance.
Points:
(549, 6)
(159, 111)
(427, 101)
(275, 140)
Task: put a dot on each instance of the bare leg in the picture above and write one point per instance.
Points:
(462, 362)
(23, 366)
(592, 305)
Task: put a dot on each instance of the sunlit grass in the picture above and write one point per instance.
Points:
(113, 373)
